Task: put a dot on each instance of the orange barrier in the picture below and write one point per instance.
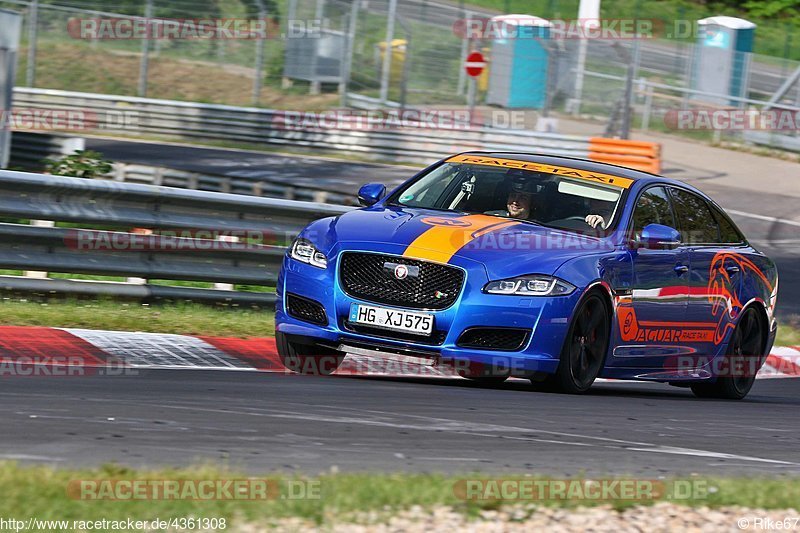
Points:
(639, 155)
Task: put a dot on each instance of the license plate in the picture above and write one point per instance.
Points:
(410, 322)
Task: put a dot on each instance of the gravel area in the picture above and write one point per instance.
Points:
(661, 517)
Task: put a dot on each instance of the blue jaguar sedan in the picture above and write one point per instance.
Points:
(554, 269)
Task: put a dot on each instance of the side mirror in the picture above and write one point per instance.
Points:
(370, 193)
(659, 237)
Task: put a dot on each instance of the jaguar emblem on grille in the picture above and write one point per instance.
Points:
(439, 295)
(401, 271)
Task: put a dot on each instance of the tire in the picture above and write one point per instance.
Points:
(307, 359)
(747, 340)
(584, 353)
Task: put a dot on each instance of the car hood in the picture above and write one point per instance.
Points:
(505, 247)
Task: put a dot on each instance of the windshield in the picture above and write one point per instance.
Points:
(573, 204)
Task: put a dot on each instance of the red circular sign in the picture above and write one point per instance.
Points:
(475, 64)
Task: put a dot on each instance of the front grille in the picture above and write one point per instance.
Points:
(366, 276)
(436, 337)
(306, 309)
(502, 339)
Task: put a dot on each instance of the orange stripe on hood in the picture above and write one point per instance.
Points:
(447, 235)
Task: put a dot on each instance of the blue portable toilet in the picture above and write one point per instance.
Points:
(722, 61)
(518, 62)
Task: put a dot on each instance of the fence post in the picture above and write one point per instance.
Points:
(315, 85)
(143, 66)
(462, 74)
(387, 54)
(262, 14)
(33, 18)
(347, 63)
(648, 108)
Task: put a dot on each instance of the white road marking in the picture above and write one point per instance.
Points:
(485, 430)
(763, 217)
(26, 457)
(704, 453)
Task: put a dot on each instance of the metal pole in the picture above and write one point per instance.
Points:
(33, 17)
(406, 66)
(347, 64)
(291, 14)
(473, 83)
(148, 15)
(316, 85)
(465, 47)
(648, 108)
(588, 13)
(387, 55)
(262, 14)
(787, 50)
(633, 66)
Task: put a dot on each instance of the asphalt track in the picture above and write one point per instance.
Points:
(274, 422)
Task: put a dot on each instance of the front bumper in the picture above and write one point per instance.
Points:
(546, 317)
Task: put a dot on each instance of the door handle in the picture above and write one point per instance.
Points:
(681, 269)
(733, 269)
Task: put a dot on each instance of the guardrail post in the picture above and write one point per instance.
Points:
(226, 286)
(119, 171)
(139, 231)
(37, 273)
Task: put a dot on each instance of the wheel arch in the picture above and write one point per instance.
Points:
(763, 318)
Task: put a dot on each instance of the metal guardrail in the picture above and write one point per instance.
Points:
(178, 249)
(169, 177)
(191, 121)
(29, 149)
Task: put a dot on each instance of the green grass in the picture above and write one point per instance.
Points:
(788, 334)
(188, 319)
(42, 492)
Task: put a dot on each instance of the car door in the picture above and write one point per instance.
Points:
(656, 307)
(714, 276)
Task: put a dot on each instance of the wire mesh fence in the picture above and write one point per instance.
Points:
(398, 53)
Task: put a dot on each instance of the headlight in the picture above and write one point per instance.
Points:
(305, 252)
(530, 286)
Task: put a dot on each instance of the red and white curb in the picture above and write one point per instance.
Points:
(98, 348)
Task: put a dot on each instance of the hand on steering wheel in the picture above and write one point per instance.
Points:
(595, 220)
